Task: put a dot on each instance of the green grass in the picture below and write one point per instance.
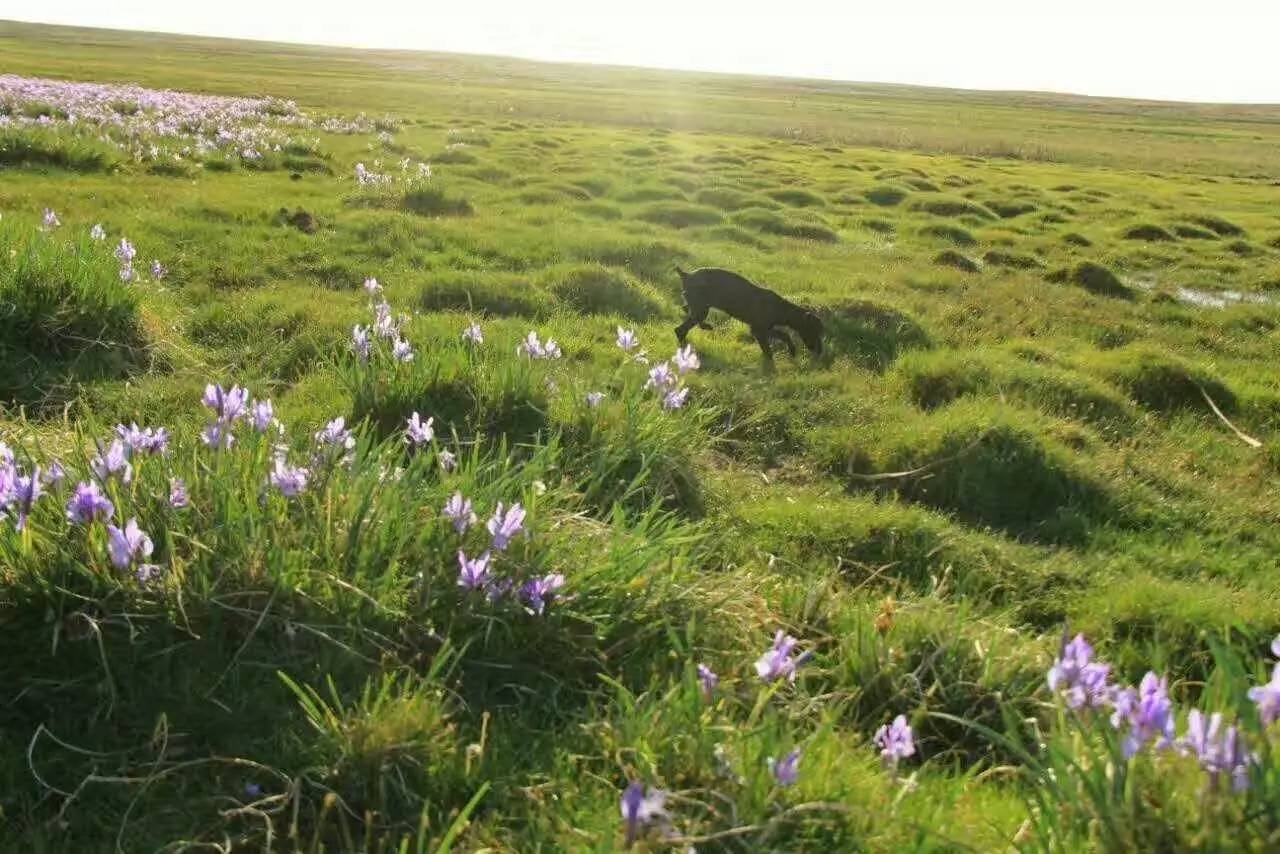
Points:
(1048, 403)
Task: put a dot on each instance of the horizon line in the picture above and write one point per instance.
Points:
(264, 40)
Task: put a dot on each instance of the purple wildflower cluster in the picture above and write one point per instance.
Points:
(411, 173)
(535, 349)
(19, 492)
(644, 807)
(1145, 716)
(780, 660)
(385, 327)
(150, 125)
(476, 573)
(128, 546)
(665, 378)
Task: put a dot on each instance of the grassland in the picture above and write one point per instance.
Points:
(1029, 295)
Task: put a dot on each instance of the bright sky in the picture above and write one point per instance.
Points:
(1169, 49)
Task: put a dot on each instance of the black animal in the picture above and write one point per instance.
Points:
(761, 309)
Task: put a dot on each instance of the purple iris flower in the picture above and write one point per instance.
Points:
(125, 252)
(261, 414)
(114, 461)
(290, 480)
(97, 232)
(686, 360)
(675, 398)
(1275, 646)
(127, 544)
(371, 286)
(401, 350)
(361, 342)
(1267, 698)
(384, 325)
(473, 573)
(473, 334)
(458, 511)
(50, 219)
(662, 378)
(627, 339)
(895, 740)
(158, 270)
(1145, 715)
(448, 460)
(417, 431)
(148, 441)
(218, 435)
(594, 398)
(227, 404)
(88, 504)
(25, 492)
(1083, 680)
(336, 434)
(178, 493)
(538, 592)
(778, 661)
(640, 808)
(1219, 751)
(503, 526)
(54, 475)
(708, 679)
(787, 770)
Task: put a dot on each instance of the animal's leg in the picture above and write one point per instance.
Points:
(782, 336)
(762, 335)
(694, 316)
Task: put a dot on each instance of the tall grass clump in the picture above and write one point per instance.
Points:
(28, 147)
(363, 608)
(65, 309)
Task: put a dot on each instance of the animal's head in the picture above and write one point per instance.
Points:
(809, 326)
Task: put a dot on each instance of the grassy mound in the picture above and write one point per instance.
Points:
(769, 222)
(879, 226)
(797, 198)
(729, 199)
(596, 289)
(1074, 239)
(1191, 232)
(1001, 472)
(435, 201)
(1013, 260)
(922, 184)
(872, 334)
(1148, 232)
(1095, 279)
(950, 207)
(599, 210)
(940, 377)
(862, 534)
(680, 214)
(1161, 382)
(955, 260)
(454, 157)
(1218, 225)
(1009, 210)
(950, 233)
(28, 148)
(886, 196)
(654, 260)
(500, 294)
(66, 317)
